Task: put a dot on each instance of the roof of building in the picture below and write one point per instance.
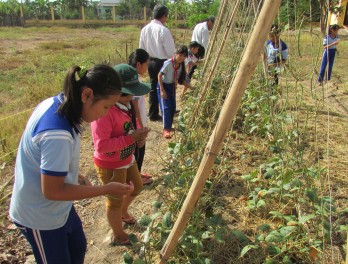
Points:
(110, 2)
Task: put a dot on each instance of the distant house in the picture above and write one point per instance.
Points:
(105, 8)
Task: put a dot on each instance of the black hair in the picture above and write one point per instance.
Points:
(182, 49)
(333, 27)
(159, 11)
(211, 19)
(275, 29)
(139, 55)
(194, 44)
(102, 79)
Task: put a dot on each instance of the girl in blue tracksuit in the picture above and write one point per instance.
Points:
(330, 42)
(172, 73)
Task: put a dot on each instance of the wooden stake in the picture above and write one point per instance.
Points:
(206, 86)
(216, 28)
(263, 55)
(347, 250)
(224, 123)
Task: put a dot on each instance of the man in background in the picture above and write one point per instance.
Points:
(157, 40)
(201, 35)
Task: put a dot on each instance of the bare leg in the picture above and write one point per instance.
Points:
(128, 199)
(115, 221)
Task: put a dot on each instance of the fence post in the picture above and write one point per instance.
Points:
(145, 15)
(52, 14)
(21, 14)
(83, 14)
(114, 14)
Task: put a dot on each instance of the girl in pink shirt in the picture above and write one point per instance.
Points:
(115, 139)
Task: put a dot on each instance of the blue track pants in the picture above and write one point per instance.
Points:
(328, 58)
(168, 105)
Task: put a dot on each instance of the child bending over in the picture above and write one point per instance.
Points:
(172, 73)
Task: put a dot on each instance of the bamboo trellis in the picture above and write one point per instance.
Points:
(228, 112)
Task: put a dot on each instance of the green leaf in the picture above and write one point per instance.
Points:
(344, 228)
(289, 218)
(133, 238)
(270, 261)
(253, 128)
(144, 221)
(273, 250)
(287, 230)
(247, 177)
(157, 204)
(277, 214)
(274, 236)
(270, 172)
(312, 195)
(207, 261)
(240, 236)
(167, 220)
(261, 203)
(305, 218)
(217, 160)
(246, 249)
(264, 227)
(219, 235)
(127, 258)
(139, 261)
(260, 237)
(287, 260)
(206, 235)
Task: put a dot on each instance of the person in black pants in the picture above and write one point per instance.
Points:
(157, 40)
(154, 68)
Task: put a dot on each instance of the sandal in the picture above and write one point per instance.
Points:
(166, 134)
(123, 243)
(129, 221)
(145, 175)
(146, 180)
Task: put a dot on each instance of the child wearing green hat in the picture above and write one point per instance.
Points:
(115, 138)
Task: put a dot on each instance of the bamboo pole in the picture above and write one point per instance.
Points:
(347, 250)
(216, 28)
(263, 55)
(228, 29)
(224, 123)
(176, 17)
(145, 15)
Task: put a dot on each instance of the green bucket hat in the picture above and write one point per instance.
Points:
(130, 80)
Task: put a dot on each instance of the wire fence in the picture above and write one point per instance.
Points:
(90, 15)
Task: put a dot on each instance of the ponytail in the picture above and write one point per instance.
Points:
(71, 108)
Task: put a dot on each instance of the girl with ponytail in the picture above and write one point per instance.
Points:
(47, 180)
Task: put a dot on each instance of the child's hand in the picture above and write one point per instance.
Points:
(140, 134)
(117, 188)
(141, 143)
(83, 180)
(164, 94)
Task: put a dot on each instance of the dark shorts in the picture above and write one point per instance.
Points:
(66, 244)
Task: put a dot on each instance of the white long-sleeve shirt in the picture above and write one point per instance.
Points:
(201, 34)
(157, 40)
